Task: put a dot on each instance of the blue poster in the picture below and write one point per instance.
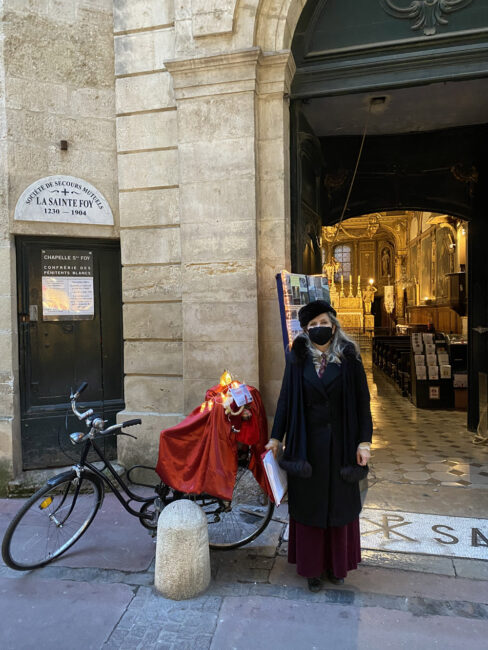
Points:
(294, 291)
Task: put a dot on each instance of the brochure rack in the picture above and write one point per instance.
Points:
(431, 374)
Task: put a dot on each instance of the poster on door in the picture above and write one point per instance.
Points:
(67, 285)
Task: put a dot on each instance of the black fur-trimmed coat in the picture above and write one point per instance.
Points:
(324, 419)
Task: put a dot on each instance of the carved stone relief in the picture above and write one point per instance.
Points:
(427, 14)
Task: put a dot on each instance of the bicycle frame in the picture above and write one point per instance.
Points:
(231, 530)
(160, 491)
(90, 443)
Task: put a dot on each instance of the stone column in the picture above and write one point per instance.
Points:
(275, 73)
(215, 98)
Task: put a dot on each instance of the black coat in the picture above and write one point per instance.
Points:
(324, 420)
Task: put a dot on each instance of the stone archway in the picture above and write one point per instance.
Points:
(276, 22)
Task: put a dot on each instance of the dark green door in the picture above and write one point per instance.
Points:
(70, 330)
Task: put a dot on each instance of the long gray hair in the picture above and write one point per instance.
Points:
(339, 341)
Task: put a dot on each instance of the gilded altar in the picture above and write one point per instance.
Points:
(349, 308)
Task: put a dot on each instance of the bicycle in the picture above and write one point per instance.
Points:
(58, 514)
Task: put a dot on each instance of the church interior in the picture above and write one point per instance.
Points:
(398, 279)
(397, 270)
(398, 283)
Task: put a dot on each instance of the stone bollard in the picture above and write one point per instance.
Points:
(182, 553)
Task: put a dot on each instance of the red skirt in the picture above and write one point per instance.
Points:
(316, 550)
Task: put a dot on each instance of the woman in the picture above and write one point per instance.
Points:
(324, 410)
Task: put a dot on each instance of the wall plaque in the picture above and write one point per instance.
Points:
(63, 199)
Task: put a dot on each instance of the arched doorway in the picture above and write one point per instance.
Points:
(408, 108)
(419, 96)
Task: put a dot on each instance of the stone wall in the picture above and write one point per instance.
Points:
(6, 280)
(202, 130)
(197, 164)
(147, 150)
(60, 86)
(56, 83)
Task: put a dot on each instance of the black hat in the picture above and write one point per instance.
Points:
(313, 309)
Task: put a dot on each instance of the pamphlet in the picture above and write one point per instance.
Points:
(277, 477)
(431, 360)
(417, 339)
(421, 372)
(445, 372)
(434, 372)
(241, 395)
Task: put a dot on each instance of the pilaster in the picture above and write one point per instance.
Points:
(216, 118)
(275, 72)
(147, 154)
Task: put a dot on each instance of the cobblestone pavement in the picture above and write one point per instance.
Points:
(255, 600)
(100, 594)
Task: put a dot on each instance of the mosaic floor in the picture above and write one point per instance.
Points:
(421, 447)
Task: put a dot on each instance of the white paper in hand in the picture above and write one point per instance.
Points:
(276, 476)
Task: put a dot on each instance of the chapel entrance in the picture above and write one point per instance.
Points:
(376, 130)
(388, 191)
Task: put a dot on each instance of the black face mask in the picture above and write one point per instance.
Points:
(320, 335)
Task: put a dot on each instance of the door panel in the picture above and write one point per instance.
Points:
(56, 355)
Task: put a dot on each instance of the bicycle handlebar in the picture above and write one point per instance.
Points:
(97, 423)
(81, 388)
(131, 423)
(122, 425)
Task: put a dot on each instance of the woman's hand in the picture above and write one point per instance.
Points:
(363, 455)
(274, 445)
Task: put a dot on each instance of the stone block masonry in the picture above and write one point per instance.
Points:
(56, 83)
(148, 174)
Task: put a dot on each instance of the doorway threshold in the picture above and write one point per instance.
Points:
(446, 566)
(433, 529)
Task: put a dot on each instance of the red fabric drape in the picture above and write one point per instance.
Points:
(199, 455)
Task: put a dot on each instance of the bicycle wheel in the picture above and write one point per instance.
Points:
(238, 522)
(51, 521)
